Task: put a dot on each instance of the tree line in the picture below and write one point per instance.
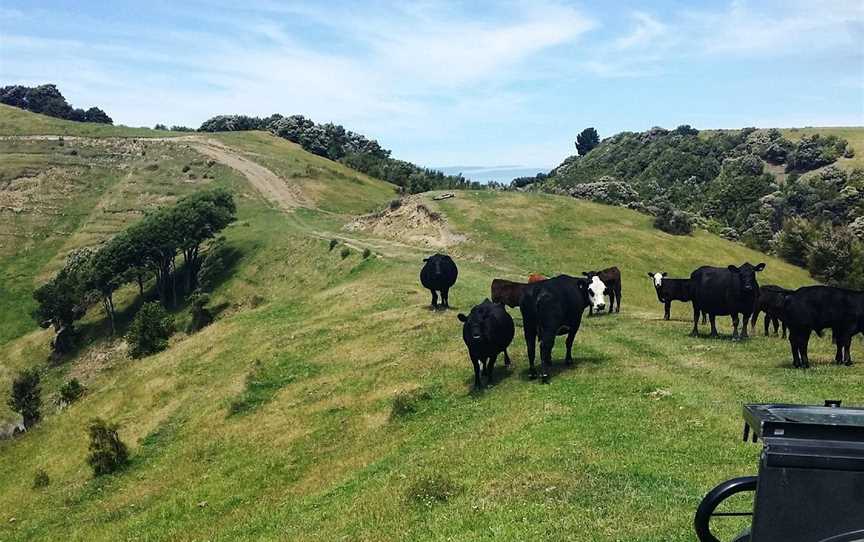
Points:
(725, 181)
(147, 251)
(47, 100)
(354, 150)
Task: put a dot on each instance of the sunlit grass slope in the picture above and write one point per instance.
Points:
(18, 122)
(277, 422)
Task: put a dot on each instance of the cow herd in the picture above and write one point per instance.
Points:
(554, 306)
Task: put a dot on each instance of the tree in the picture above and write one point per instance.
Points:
(26, 397)
(64, 299)
(150, 330)
(107, 452)
(587, 140)
(673, 221)
(94, 114)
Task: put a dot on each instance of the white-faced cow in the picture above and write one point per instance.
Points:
(550, 308)
(816, 308)
(611, 279)
(439, 274)
(722, 291)
(487, 331)
(669, 290)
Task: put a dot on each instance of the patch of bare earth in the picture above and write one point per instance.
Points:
(414, 222)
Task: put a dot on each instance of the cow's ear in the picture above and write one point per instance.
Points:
(650, 275)
(663, 274)
(425, 259)
(759, 267)
(732, 268)
(486, 300)
(462, 317)
(586, 273)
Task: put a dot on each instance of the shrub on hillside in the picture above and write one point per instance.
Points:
(71, 392)
(587, 140)
(793, 242)
(345, 252)
(150, 330)
(673, 221)
(108, 453)
(366, 253)
(333, 243)
(201, 315)
(606, 190)
(26, 397)
(41, 479)
(834, 256)
(815, 151)
(759, 235)
(47, 100)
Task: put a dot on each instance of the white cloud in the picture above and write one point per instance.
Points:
(647, 30)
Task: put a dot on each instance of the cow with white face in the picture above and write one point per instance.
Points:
(658, 279)
(596, 294)
(669, 290)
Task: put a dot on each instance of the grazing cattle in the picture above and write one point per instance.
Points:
(549, 308)
(507, 292)
(536, 277)
(439, 275)
(722, 291)
(815, 308)
(487, 331)
(611, 278)
(669, 290)
(771, 301)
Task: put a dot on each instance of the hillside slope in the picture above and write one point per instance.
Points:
(327, 402)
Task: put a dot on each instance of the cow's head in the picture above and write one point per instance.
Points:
(657, 278)
(747, 273)
(596, 291)
(474, 323)
(435, 263)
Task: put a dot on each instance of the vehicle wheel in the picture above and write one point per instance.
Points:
(715, 497)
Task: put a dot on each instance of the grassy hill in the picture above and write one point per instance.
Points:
(328, 403)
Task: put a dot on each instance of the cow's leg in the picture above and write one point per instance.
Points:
(478, 383)
(776, 322)
(434, 299)
(841, 343)
(744, 319)
(569, 342)
(445, 297)
(667, 310)
(713, 320)
(618, 298)
(490, 369)
(704, 318)
(734, 317)
(547, 342)
(506, 359)
(695, 332)
(784, 328)
(590, 310)
(848, 357)
(530, 344)
(794, 345)
(803, 340)
(767, 322)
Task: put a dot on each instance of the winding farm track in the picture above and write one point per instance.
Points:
(286, 195)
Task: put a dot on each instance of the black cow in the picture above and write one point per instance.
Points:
(815, 308)
(611, 278)
(669, 290)
(439, 275)
(549, 308)
(487, 331)
(771, 301)
(722, 291)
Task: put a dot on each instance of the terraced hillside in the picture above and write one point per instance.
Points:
(328, 403)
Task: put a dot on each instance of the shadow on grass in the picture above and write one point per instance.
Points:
(499, 375)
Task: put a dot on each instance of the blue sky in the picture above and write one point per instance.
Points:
(450, 83)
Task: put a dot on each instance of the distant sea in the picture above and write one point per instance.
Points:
(484, 174)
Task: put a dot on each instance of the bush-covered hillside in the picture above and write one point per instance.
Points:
(47, 100)
(789, 194)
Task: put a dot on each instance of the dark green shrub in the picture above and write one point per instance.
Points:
(26, 397)
(201, 316)
(758, 236)
(71, 391)
(41, 479)
(150, 330)
(333, 243)
(366, 253)
(432, 489)
(395, 204)
(673, 221)
(793, 242)
(834, 256)
(107, 452)
(345, 252)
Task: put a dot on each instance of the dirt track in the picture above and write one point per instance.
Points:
(275, 189)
